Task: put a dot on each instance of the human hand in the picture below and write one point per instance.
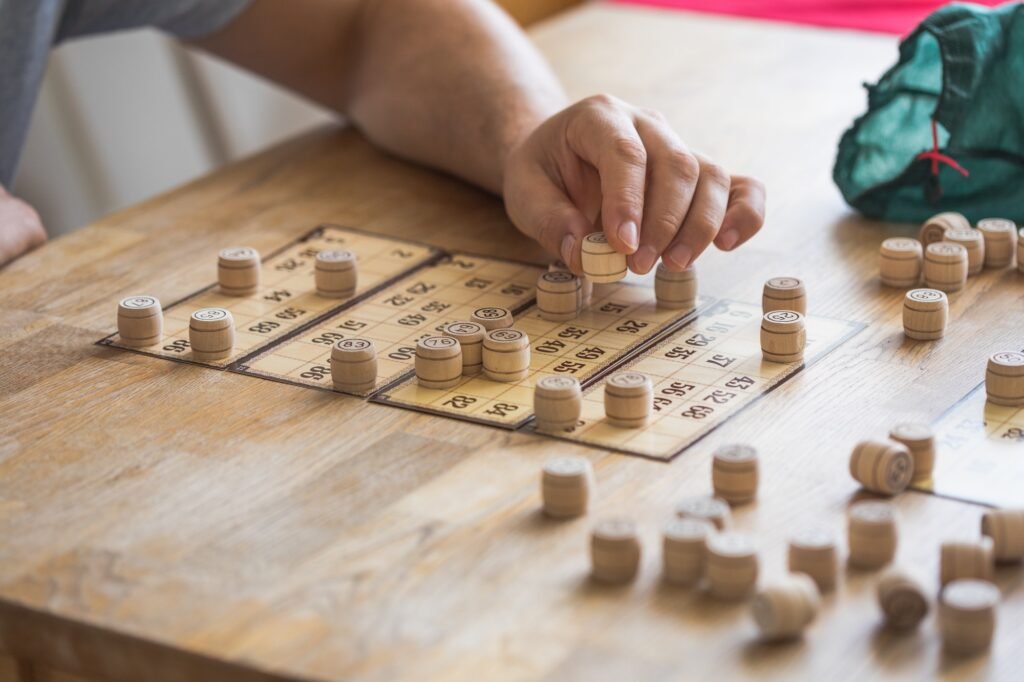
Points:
(655, 197)
(20, 228)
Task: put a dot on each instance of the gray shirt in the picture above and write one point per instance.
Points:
(29, 28)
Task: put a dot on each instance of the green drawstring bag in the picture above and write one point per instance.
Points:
(944, 129)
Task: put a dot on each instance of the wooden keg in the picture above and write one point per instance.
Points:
(354, 365)
(506, 355)
(211, 334)
(140, 321)
(238, 271)
(336, 274)
(558, 296)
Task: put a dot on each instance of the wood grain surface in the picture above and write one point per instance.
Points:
(161, 521)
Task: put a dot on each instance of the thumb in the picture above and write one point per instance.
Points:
(547, 215)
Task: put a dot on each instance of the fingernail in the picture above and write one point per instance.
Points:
(643, 259)
(568, 250)
(728, 240)
(629, 234)
(679, 257)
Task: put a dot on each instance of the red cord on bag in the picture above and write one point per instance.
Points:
(938, 157)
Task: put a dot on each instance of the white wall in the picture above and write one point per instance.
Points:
(123, 117)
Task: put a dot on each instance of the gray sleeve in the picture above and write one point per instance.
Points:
(182, 18)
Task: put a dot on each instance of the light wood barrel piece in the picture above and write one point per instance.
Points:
(959, 559)
(732, 566)
(967, 616)
(566, 486)
(1000, 235)
(492, 318)
(871, 534)
(614, 551)
(470, 336)
(934, 229)
(336, 274)
(814, 552)
(354, 365)
(1006, 528)
(705, 508)
(675, 290)
(902, 599)
(1004, 379)
(140, 321)
(783, 336)
(945, 266)
(882, 467)
(784, 609)
(438, 362)
(925, 313)
(628, 399)
(586, 285)
(899, 262)
(238, 271)
(734, 473)
(558, 296)
(1020, 250)
(557, 403)
(920, 441)
(974, 242)
(684, 550)
(506, 355)
(784, 293)
(602, 263)
(211, 333)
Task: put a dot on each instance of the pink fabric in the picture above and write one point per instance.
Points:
(893, 16)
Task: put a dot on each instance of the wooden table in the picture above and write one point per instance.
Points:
(167, 522)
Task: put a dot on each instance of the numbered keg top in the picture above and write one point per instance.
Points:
(785, 282)
(139, 306)
(629, 380)
(964, 235)
(813, 538)
(566, 466)
(783, 317)
(926, 295)
(139, 302)
(873, 512)
(336, 256)
(702, 507)
(490, 313)
(615, 529)
(243, 254)
(902, 244)
(731, 545)
(556, 383)
(736, 452)
(971, 595)
(506, 335)
(1008, 357)
(558, 276)
(949, 249)
(997, 225)
(438, 342)
(688, 529)
(353, 344)
(211, 314)
(911, 431)
(464, 328)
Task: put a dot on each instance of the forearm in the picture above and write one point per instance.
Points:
(453, 84)
(449, 83)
